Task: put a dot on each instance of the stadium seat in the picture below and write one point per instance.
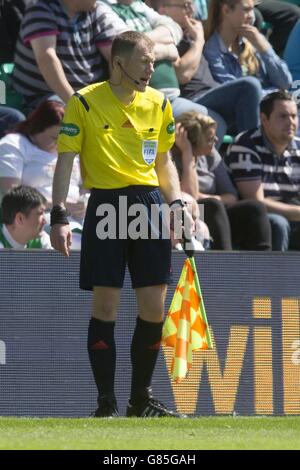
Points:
(294, 2)
(12, 98)
(228, 139)
(266, 28)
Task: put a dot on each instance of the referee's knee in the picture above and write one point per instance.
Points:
(105, 303)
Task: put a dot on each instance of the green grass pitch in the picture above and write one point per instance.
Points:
(152, 434)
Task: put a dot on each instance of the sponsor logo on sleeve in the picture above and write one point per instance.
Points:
(69, 129)
(171, 127)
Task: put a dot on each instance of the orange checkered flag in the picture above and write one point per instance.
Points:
(185, 328)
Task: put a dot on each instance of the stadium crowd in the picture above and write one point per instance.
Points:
(229, 69)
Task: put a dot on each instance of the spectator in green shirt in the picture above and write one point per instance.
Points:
(23, 217)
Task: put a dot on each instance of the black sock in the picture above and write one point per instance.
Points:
(144, 352)
(102, 354)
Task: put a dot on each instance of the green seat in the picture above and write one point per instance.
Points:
(294, 2)
(7, 68)
(265, 26)
(266, 29)
(228, 139)
(12, 97)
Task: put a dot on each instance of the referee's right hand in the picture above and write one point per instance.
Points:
(61, 238)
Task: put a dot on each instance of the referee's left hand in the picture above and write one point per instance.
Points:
(61, 238)
(185, 225)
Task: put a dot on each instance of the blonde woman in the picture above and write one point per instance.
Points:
(235, 48)
(232, 223)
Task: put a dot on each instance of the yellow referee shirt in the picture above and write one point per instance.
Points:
(117, 143)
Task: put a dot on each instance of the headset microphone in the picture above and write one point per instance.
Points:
(127, 75)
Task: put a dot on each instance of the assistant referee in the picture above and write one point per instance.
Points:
(122, 129)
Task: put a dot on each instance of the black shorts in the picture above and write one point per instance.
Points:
(103, 261)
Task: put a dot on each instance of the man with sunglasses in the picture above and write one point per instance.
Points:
(236, 102)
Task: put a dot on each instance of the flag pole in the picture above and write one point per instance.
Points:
(202, 307)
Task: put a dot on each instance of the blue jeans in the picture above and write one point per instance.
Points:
(285, 233)
(237, 102)
(9, 117)
(181, 105)
(281, 231)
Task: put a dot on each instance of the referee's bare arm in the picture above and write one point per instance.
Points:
(169, 185)
(167, 177)
(61, 235)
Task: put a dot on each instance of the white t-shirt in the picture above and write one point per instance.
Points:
(20, 158)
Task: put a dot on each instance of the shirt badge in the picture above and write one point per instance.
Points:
(149, 150)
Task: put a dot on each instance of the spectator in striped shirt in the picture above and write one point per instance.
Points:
(265, 165)
(63, 46)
